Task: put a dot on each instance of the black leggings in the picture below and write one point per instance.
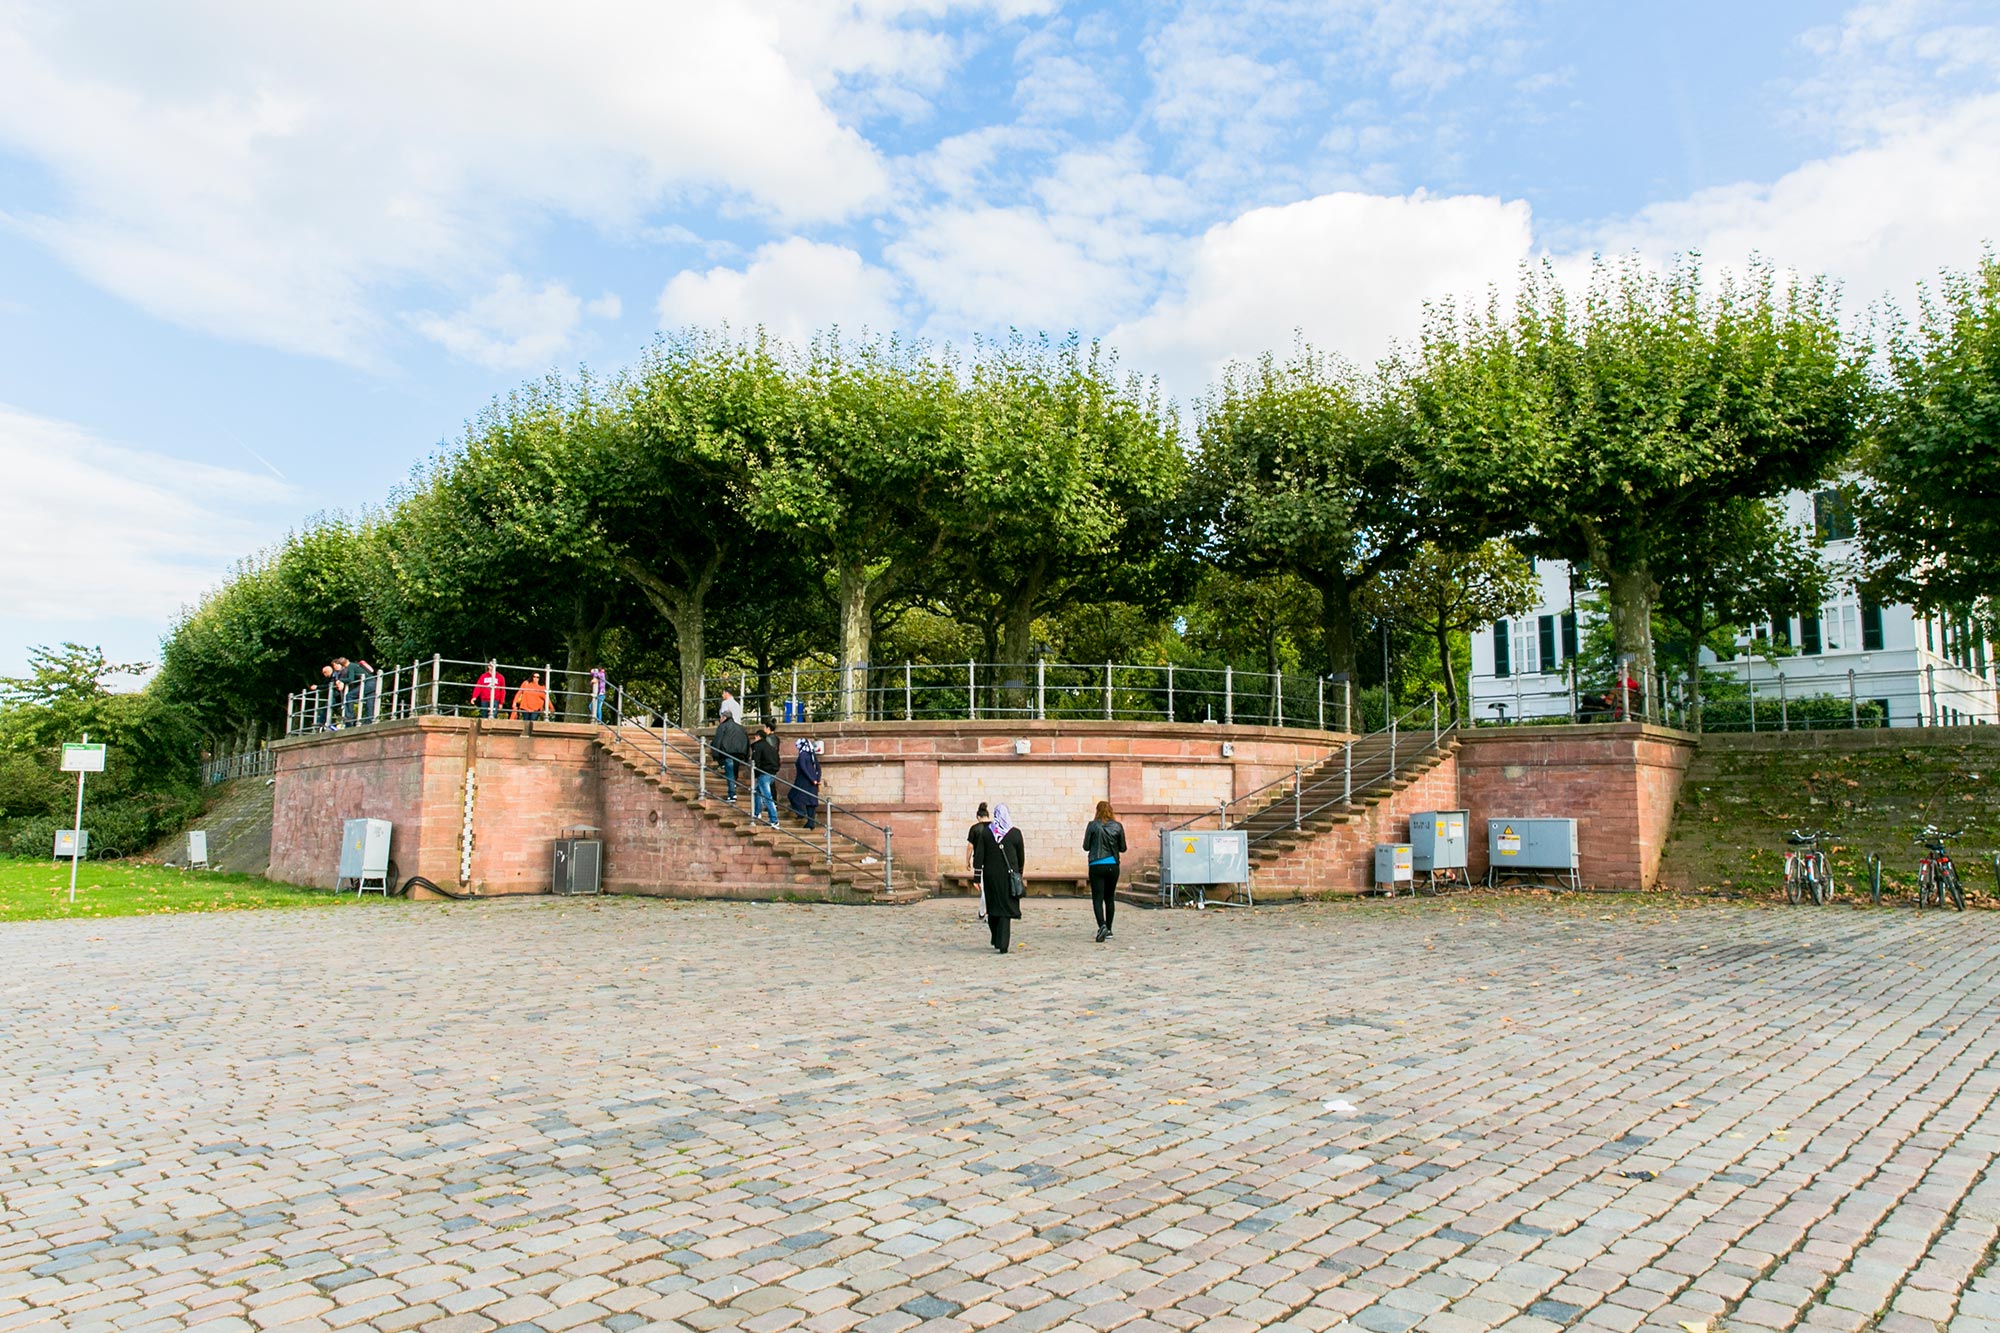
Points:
(1103, 893)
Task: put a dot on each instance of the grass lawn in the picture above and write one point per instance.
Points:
(39, 891)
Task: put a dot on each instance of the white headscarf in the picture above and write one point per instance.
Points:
(1002, 821)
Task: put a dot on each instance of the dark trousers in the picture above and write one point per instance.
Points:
(1103, 893)
(1002, 929)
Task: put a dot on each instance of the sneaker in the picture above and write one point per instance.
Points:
(1100, 934)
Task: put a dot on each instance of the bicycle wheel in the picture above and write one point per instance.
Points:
(1822, 886)
(1792, 877)
(1924, 883)
(1948, 881)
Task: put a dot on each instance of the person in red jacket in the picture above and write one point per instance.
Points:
(489, 693)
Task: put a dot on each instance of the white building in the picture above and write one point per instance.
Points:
(1923, 670)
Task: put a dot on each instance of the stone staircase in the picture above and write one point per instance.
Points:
(1318, 809)
(853, 874)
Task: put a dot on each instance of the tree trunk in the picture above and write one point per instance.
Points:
(1445, 664)
(1699, 629)
(857, 608)
(1336, 623)
(580, 650)
(1629, 598)
(1017, 637)
(686, 608)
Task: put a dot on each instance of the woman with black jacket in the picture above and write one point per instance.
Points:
(1103, 844)
(994, 847)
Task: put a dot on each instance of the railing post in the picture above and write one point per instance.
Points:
(1392, 734)
(416, 673)
(1569, 669)
(700, 760)
(909, 695)
(1278, 696)
(797, 708)
(1624, 690)
(372, 682)
(888, 859)
(1229, 695)
(1853, 704)
(1930, 676)
(1041, 688)
(1753, 704)
(1347, 774)
(972, 691)
(1347, 706)
(618, 710)
(437, 674)
(700, 702)
(1107, 691)
(1784, 706)
(396, 690)
(829, 832)
(1322, 701)
(1170, 691)
(1298, 785)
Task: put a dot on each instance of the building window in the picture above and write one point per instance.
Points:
(1809, 635)
(1930, 642)
(1871, 628)
(1569, 636)
(1781, 631)
(1501, 663)
(1833, 516)
(1546, 631)
(1526, 660)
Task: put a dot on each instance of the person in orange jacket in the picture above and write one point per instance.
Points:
(531, 701)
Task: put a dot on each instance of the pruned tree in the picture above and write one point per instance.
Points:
(1601, 432)
(1441, 594)
(1929, 520)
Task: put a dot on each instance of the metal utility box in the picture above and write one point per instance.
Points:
(1198, 858)
(579, 862)
(1438, 841)
(364, 855)
(71, 844)
(197, 848)
(1527, 846)
(1393, 864)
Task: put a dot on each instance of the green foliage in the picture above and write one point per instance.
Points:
(1306, 469)
(1442, 595)
(1929, 524)
(1815, 712)
(35, 888)
(1608, 432)
(150, 783)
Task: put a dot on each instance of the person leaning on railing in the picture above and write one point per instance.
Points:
(531, 701)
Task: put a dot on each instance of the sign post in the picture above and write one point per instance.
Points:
(80, 759)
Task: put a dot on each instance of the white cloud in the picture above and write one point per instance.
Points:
(92, 532)
(1878, 218)
(514, 326)
(262, 173)
(1350, 271)
(794, 288)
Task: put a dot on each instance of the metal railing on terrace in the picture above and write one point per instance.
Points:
(1800, 695)
(447, 687)
(986, 691)
(244, 764)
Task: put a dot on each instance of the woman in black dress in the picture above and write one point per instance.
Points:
(994, 847)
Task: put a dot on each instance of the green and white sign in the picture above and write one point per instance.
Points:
(82, 758)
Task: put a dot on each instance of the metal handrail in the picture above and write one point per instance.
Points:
(1347, 782)
(704, 749)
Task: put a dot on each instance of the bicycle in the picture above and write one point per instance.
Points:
(1805, 869)
(1937, 877)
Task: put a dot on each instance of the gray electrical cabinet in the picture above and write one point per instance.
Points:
(579, 862)
(1542, 848)
(1392, 864)
(1200, 858)
(1438, 841)
(364, 856)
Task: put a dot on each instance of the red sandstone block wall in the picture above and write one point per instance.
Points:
(1619, 782)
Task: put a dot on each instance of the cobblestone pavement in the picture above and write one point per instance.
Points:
(1441, 1115)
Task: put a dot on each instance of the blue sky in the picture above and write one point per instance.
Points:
(257, 262)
